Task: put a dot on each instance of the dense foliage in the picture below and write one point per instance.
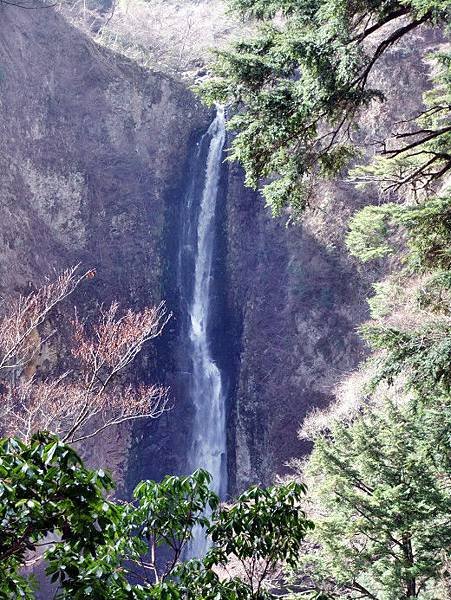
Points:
(383, 498)
(298, 87)
(97, 548)
(379, 479)
(45, 489)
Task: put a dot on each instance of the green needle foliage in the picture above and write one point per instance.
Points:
(417, 344)
(383, 493)
(419, 156)
(414, 338)
(100, 549)
(425, 227)
(388, 535)
(384, 485)
(296, 89)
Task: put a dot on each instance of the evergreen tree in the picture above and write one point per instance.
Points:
(381, 490)
(381, 480)
(298, 87)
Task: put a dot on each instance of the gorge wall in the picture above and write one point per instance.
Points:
(92, 152)
(95, 156)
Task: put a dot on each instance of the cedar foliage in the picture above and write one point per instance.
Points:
(380, 485)
(297, 88)
(381, 488)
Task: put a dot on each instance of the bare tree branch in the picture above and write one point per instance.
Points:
(88, 398)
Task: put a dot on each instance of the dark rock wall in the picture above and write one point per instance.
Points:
(299, 303)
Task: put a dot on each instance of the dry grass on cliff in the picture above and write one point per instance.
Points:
(351, 395)
(164, 35)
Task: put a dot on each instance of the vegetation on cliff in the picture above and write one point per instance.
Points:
(379, 475)
(377, 515)
(299, 86)
(164, 35)
(380, 494)
(81, 399)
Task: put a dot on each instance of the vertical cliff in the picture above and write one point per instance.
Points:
(93, 151)
(298, 301)
(95, 156)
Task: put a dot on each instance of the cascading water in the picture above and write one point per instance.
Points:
(206, 388)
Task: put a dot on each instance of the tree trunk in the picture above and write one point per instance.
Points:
(411, 588)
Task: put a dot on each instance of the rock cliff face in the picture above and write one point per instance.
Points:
(94, 157)
(92, 153)
(299, 304)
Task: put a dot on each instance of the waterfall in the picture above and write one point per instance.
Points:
(206, 387)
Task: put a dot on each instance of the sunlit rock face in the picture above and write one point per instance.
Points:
(93, 150)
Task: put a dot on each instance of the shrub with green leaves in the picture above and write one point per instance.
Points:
(105, 550)
(45, 489)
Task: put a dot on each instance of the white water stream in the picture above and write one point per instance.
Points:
(208, 448)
